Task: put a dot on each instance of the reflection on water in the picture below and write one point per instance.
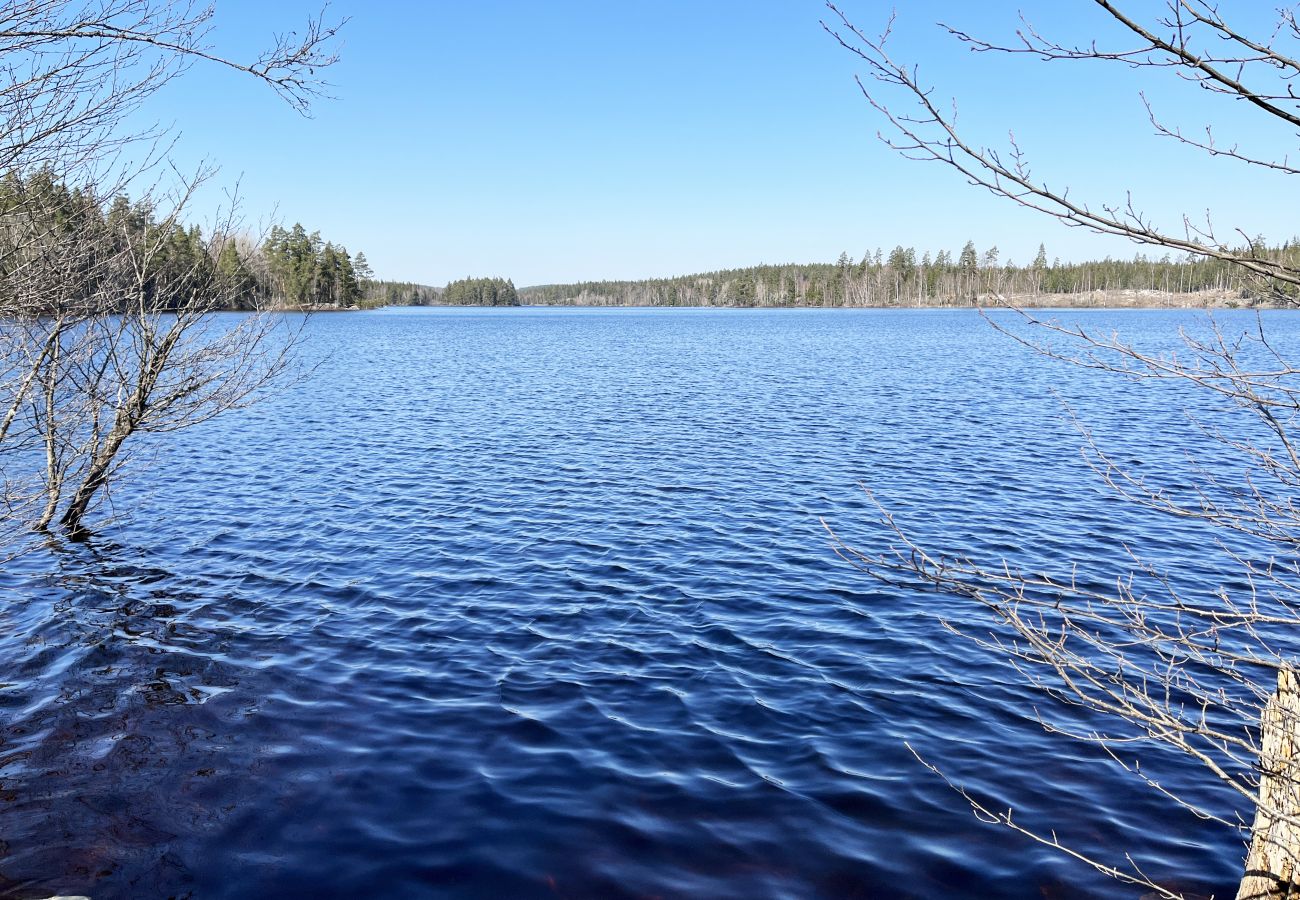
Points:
(537, 603)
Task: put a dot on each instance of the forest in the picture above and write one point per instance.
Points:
(45, 222)
(902, 279)
(464, 292)
(291, 268)
(480, 292)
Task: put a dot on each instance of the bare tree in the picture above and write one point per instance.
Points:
(106, 325)
(139, 353)
(72, 70)
(1213, 678)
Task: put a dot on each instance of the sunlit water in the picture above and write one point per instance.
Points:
(538, 603)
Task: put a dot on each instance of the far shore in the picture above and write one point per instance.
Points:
(1100, 299)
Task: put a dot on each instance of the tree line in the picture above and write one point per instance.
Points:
(302, 270)
(40, 216)
(465, 292)
(76, 230)
(295, 269)
(376, 292)
(480, 292)
(904, 278)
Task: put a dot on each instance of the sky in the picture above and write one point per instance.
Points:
(578, 140)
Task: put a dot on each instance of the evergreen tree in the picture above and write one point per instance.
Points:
(480, 292)
(362, 267)
(968, 261)
(236, 275)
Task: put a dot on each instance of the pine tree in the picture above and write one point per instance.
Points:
(362, 267)
(968, 261)
(238, 279)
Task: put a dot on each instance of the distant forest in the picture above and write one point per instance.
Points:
(465, 292)
(293, 268)
(901, 279)
(377, 292)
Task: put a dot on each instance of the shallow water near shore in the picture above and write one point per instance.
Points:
(539, 603)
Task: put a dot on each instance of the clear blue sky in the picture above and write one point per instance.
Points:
(567, 140)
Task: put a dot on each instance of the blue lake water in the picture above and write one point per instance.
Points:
(538, 603)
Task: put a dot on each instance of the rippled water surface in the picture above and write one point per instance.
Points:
(538, 603)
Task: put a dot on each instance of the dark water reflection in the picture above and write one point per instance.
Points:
(537, 603)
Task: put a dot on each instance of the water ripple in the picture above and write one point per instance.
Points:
(538, 604)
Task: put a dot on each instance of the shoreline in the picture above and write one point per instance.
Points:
(1100, 299)
(1111, 299)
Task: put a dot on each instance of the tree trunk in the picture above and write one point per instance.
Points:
(1272, 869)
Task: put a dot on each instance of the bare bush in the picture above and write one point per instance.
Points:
(1213, 678)
(107, 325)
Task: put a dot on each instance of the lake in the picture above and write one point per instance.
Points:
(539, 603)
